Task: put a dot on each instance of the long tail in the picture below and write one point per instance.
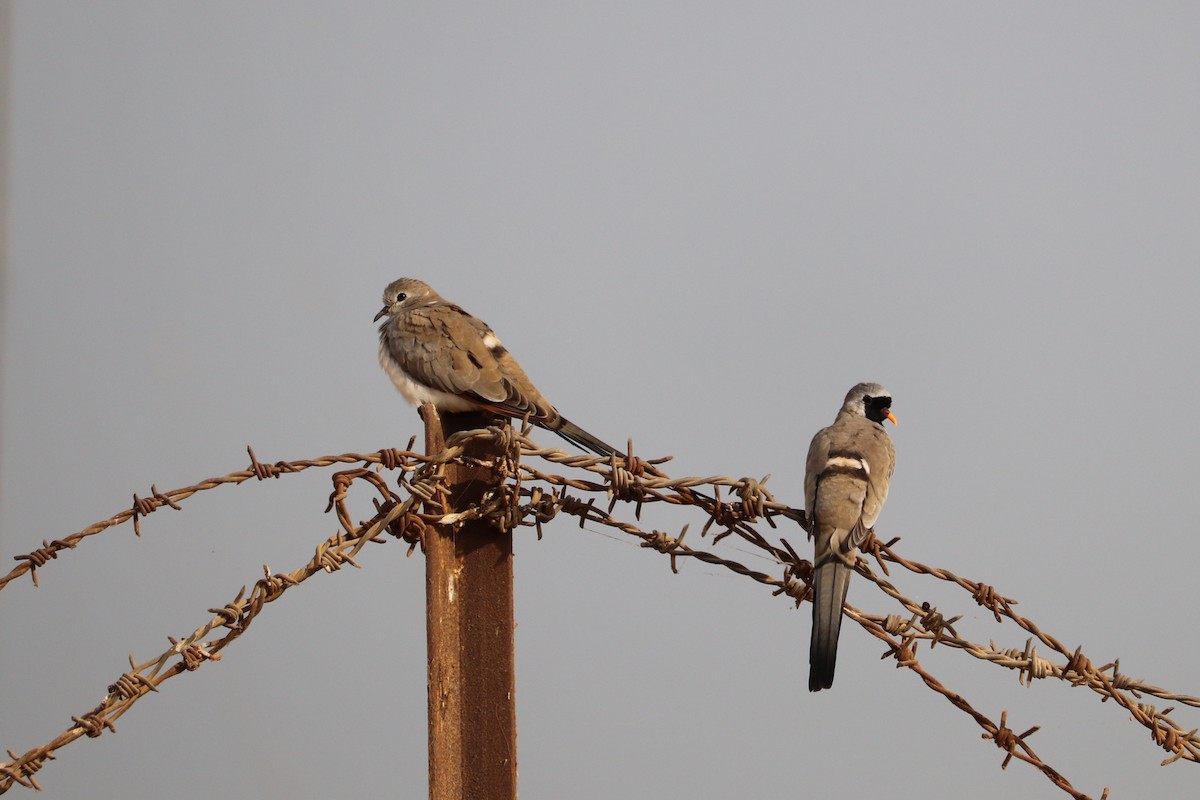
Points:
(831, 580)
(579, 437)
(582, 439)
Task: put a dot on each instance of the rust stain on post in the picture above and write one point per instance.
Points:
(469, 630)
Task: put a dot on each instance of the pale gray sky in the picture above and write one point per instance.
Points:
(696, 224)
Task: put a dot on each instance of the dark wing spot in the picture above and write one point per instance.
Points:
(474, 360)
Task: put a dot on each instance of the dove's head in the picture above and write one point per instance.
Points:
(870, 400)
(406, 293)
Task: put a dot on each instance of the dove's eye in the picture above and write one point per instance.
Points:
(401, 297)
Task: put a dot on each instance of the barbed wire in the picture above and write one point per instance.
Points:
(532, 497)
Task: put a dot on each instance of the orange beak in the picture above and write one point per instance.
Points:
(892, 417)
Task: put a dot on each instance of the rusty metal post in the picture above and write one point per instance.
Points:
(469, 632)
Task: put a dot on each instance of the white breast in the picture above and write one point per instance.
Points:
(416, 392)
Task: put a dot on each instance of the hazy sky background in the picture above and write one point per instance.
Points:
(696, 224)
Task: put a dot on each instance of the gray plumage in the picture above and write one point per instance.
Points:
(846, 481)
(436, 352)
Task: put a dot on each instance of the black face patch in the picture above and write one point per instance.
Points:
(876, 408)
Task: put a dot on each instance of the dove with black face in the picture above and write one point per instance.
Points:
(846, 481)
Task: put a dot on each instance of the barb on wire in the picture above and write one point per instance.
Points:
(534, 494)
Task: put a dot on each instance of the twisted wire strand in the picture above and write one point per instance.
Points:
(595, 487)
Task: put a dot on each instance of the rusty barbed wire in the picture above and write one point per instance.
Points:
(532, 497)
(394, 515)
(142, 507)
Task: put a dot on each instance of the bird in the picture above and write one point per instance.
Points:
(846, 479)
(435, 352)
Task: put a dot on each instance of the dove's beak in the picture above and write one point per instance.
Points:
(382, 313)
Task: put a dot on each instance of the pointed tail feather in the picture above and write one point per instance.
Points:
(831, 580)
(584, 440)
(581, 438)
